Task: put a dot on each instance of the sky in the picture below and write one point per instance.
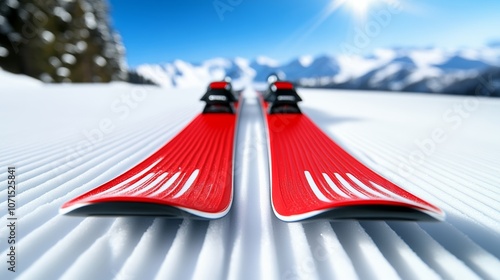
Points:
(196, 30)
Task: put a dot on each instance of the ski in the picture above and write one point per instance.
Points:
(312, 177)
(190, 176)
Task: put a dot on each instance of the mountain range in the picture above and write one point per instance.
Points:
(433, 70)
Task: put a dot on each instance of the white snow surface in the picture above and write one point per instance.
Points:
(67, 139)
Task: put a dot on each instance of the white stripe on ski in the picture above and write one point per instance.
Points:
(349, 187)
(130, 179)
(166, 185)
(393, 195)
(188, 184)
(334, 187)
(135, 185)
(365, 187)
(153, 184)
(315, 188)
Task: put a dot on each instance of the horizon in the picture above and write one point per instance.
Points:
(491, 44)
(195, 31)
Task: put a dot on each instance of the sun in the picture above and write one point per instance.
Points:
(360, 8)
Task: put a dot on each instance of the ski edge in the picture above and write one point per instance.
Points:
(365, 212)
(127, 208)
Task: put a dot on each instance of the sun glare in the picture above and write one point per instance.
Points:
(360, 7)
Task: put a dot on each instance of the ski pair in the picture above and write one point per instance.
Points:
(311, 176)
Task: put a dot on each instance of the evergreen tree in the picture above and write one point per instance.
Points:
(60, 41)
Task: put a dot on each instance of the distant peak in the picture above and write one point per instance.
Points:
(264, 60)
(306, 60)
(494, 44)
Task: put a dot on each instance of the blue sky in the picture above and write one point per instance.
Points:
(195, 30)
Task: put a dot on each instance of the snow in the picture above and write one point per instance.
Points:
(422, 73)
(100, 61)
(90, 20)
(182, 74)
(356, 66)
(3, 52)
(81, 46)
(13, 4)
(47, 36)
(9, 81)
(426, 57)
(68, 58)
(386, 72)
(264, 60)
(56, 140)
(306, 60)
(489, 55)
(84, 34)
(63, 72)
(62, 14)
(54, 61)
(157, 74)
(46, 78)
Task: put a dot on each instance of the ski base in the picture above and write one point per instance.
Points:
(124, 208)
(365, 212)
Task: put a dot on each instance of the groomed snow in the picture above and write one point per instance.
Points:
(67, 139)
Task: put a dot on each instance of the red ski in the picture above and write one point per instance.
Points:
(190, 176)
(313, 177)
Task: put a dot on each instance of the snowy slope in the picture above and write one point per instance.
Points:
(51, 135)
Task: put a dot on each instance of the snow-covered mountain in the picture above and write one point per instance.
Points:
(403, 69)
(425, 70)
(182, 74)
